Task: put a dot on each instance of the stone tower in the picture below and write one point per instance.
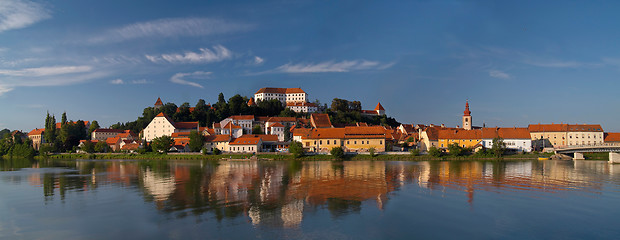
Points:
(467, 117)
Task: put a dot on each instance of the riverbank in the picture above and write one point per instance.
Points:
(283, 157)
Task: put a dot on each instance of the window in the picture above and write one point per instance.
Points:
(320, 141)
(327, 141)
(354, 142)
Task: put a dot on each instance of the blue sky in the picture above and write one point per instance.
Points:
(517, 62)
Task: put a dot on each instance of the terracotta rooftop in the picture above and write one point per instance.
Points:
(370, 112)
(281, 119)
(263, 137)
(181, 141)
(242, 117)
(246, 141)
(379, 107)
(320, 120)
(585, 128)
(548, 127)
(217, 138)
(230, 125)
(364, 132)
(180, 135)
(514, 133)
(277, 124)
(112, 140)
(300, 104)
(280, 90)
(612, 137)
(36, 131)
(186, 125)
(106, 130)
(251, 102)
(325, 133)
(159, 102)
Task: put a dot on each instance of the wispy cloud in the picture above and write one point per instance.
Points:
(258, 60)
(332, 66)
(45, 71)
(16, 14)
(141, 81)
(219, 53)
(499, 74)
(117, 81)
(178, 78)
(171, 27)
(554, 63)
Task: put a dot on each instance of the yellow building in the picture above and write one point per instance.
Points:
(351, 139)
(464, 138)
(323, 139)
(555, 135)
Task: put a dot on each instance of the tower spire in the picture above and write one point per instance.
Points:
(466, 112)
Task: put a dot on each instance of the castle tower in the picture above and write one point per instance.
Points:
(158, 103)
(380, 110)
(467, 117)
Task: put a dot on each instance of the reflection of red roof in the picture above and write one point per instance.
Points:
(36, 131)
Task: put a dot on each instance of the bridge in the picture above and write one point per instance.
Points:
(578, 150)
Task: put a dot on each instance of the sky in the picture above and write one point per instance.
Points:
(516, 62)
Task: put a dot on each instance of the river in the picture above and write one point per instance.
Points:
(121, 199)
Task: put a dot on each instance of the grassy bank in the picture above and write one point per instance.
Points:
(278, 157)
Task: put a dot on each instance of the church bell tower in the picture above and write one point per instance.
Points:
(467, 117)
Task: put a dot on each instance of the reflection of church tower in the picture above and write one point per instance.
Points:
(467, 117)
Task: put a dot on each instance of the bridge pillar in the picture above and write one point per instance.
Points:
(614, 157)
(578, 156)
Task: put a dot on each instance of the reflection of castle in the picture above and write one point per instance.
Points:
(278, 193)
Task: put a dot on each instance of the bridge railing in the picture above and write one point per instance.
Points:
(587, 146)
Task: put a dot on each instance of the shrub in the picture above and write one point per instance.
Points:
(337, 152)
(433, 151)
(216, 151)
(415, 152)
(371, 151)
(296, 148)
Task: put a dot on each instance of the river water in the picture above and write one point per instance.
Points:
(120, 199)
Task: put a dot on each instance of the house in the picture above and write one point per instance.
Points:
(323, 139)
(407, 128)
(245, 145)
(320, 120)
(114, 143)
(230, 129)
(515, 139)
(269, 143)
(158, 104)
(299, 132)
(429, 137)
(462, 137)
(612, 138)
(378, 111)
(104, 133)
(127, 135)
(284, 95)
(37, 137)
(305, 107)
(361, 139)
(220, 142)
(555, 135)
(244, 121)
(180, 145)
(162, 125)
(275, 129)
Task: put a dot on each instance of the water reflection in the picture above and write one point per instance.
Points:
(280, 193)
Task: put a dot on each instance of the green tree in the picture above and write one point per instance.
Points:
(414, 152)
(217, 151)
(296, 148)
(257, 129)
(433, 151)
(101, 147)
(337, 152)
(499, 147)
(371, 151)
(162, 144)
(63, 120)
(4, 132)
(93, 126)
(88, 147)
(50, 128)
(455, 150)
(287, 134)
(196, 141)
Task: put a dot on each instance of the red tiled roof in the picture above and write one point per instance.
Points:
(108, 130)
(300, 104)
(112, 140)
(217, 138)
(131, 146)
(326, 133)
(245, 141)
(186, 125)
(230, 125)
(217, 125)
(261, 118)
(264, 137)
(280, 90)
(460, 134)
(36, 131)
(585, 128)
(612, 137)
(159, 102)
(59, 125)
(277, 124)
(92, 141)
(514, 133)
(191, 109)
(548, 127)
(294, 90)
(300, 131)
(251, 102)
(365, 132)
(379, 107)
(180, 135)
(320, 120)
(281, 119)
(372, 112)
(409, 128)
(242, 117)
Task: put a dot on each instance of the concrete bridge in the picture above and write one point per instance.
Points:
(578, 150)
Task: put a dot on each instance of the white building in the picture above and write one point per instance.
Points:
(243, 121)
(276, 128)
(162, 125)
(284, 95)
(306, 107)
(102, 134)
(516, 139)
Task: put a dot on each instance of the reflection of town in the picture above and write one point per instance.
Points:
(279, 193)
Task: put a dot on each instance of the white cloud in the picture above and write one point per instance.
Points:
(117, 81)
(170, 27)
(178, 78)
(141, 81)
(45, 71)
(5, 89)
(219, 53)
(16, 14)
(331, 66)
(554, 64)
(499, 74)
(258, 60)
